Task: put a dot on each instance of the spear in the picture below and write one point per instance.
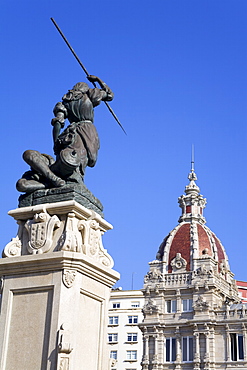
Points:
(85, 70)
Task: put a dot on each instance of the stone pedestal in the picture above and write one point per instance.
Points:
(56, 280)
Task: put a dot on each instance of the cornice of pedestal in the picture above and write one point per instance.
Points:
(58, 261)
(59, 208)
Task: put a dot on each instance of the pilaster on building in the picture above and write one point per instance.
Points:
(193, 315)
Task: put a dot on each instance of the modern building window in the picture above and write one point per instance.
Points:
(170, 347)
(187, 305)
(171, 306)
(113, 354)
(237, 347)
(132, 319)
(112, 337)
(132, 337)
(131, 355)
(135, 304)
(187, 349)
(113, 320)
(116, 305)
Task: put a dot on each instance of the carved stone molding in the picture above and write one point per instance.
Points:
(204, 272)
(200, 304)
(153, 276)
(150, 307)
(61, 226)
(91, 233)
(69, 277)
(40, 231)
(71, 239)
(64, 348)
(178, 263)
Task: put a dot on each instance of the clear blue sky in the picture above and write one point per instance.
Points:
(179, 72)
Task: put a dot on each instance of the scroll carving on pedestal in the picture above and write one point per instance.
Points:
(71, 239)
(13, 248)
(91, 233)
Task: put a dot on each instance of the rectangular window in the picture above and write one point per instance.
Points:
(132, 319)
(171, 306)
(132, 337)
(132, 355)
(237, 347)
(113, 354)
(187, 349)
(116, 305)
(135, 304)
(187, 305)
(113, 320)
(170, 349)
(112, 337)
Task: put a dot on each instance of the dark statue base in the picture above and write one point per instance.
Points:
(76, 192)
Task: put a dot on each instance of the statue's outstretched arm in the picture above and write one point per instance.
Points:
(107, 94)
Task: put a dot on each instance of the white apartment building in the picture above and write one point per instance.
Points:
(124, 335)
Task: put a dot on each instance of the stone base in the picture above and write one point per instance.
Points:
(55, 283)
(76, 192)
(54, 312)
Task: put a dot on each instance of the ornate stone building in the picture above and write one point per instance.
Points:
(193, 318)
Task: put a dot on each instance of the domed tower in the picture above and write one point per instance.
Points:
(190, 295)
(192, 241)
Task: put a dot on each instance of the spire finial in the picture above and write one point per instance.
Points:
(192, 158)
(192, 203)
(192, 176)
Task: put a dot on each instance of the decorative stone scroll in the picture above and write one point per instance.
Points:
(71, 239)
(13, 248)
(91, 233)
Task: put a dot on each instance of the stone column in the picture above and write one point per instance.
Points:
(207, 356)
(178, 349)
(178, 297)
(244, 340)
(155, 356)
(212, 337)
(145, 357)
(228, 348)
(197, 349)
